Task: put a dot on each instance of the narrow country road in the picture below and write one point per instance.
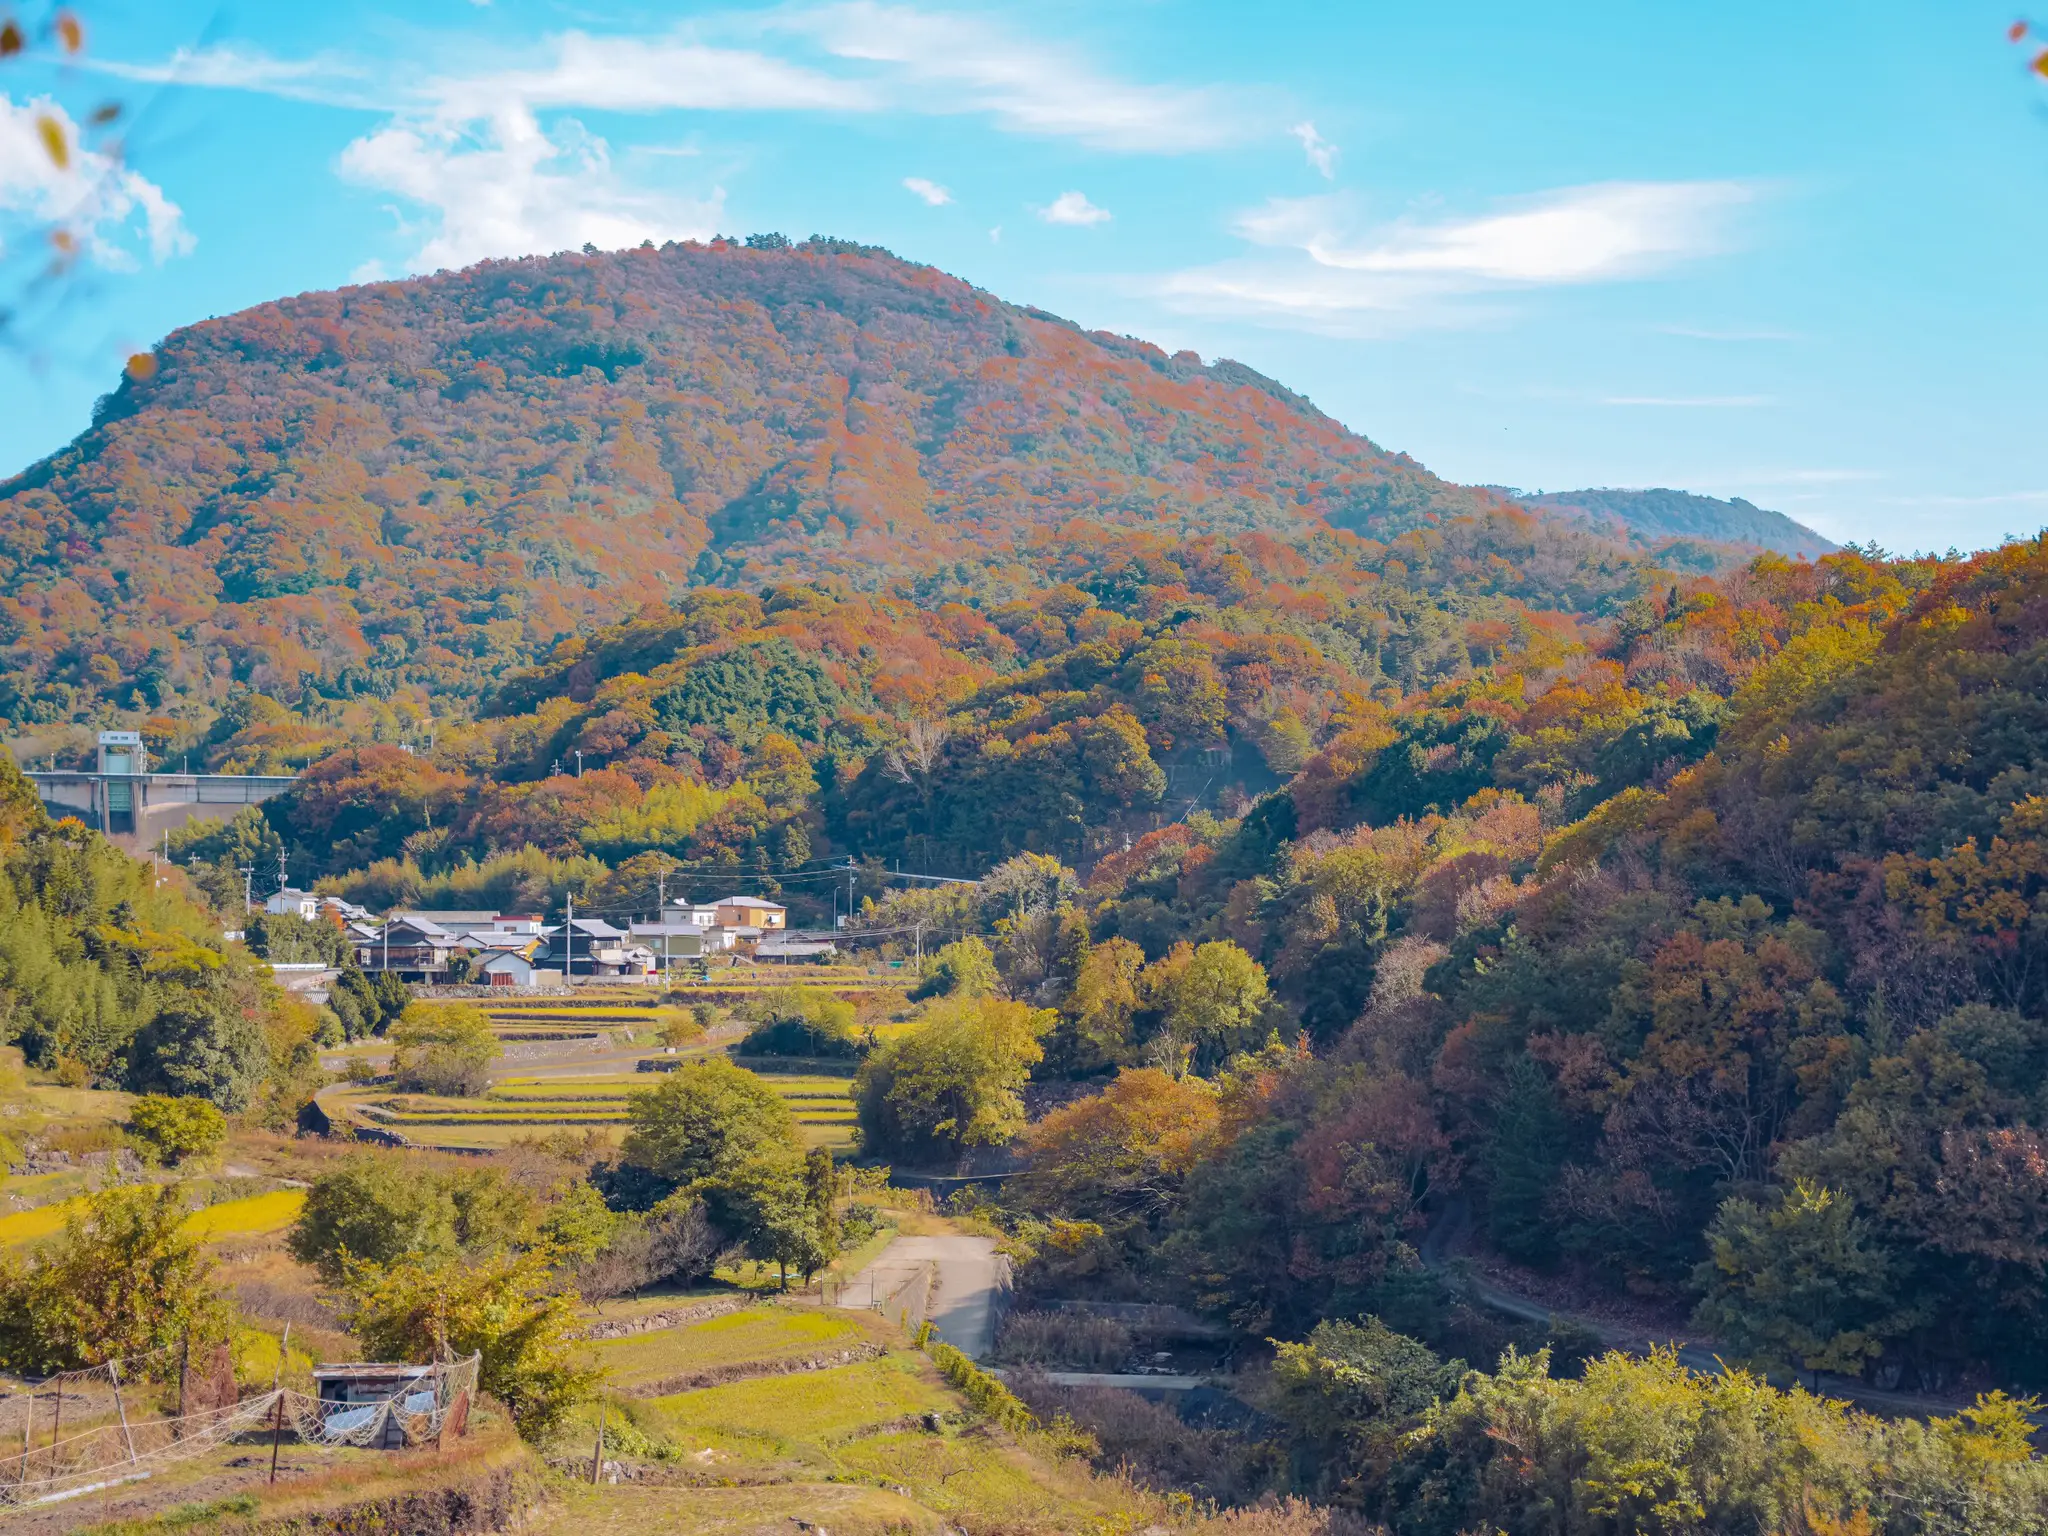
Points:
(965, 1274)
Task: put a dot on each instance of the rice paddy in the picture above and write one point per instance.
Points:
(528, 1104)
(252, 1216)
(753, 1334)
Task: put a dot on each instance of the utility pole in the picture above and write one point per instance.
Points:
(282, 882)
(661, 916)
(248, 901)
(569, 935)
(579, 762)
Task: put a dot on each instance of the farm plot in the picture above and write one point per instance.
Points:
(530, 1105)
(763, 1336)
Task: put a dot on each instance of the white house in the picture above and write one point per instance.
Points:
(293, 901)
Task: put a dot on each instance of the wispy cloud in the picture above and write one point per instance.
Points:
(933, 61)
(1322, 154)
(325, 79)
(110, 211)
(1073, 208)
(487, 162)
(1338, 277)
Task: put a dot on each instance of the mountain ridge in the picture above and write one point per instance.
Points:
(1656, 514)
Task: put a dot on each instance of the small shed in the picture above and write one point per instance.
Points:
(371, 1384)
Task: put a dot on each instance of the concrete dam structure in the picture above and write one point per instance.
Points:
(135, 807)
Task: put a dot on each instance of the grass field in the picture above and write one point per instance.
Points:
(765, 1334)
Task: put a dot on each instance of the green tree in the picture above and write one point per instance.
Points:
(203, 1043)
(1522, 1161)
(125, 1278)
(955, 1082)
(1213, 1002)
(444, 1048)
(704, 1122)
(382, 1208)
(508, 1309)
(799, 1021)
(177, 1129)
(1798, 1280)
(964, 968)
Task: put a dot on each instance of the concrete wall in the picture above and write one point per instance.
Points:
(158, 802)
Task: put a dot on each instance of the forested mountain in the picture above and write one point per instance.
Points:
(1654, 517)
(430, 481)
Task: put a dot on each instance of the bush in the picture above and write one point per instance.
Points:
(673, 1244)
(985, 1395)
(173, 1130)
(800, 1021)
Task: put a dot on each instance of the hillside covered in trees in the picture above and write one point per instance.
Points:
(1657, 517)
(429, 481)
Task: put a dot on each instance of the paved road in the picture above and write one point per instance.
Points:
(967, 1272)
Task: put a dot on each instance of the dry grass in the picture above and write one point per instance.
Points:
(1068, 1340)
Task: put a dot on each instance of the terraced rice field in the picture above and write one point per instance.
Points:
(767, 1335)
(524, 1105)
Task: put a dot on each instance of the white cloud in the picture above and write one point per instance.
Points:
(506, 187)
(930, 191)
(995, 236)
(94, 200)
(1322, 154)
(325, 79)
(1073, 208)
(1412, 271)
(638, 74)
(955, 64)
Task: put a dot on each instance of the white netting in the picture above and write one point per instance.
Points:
(79, 1440)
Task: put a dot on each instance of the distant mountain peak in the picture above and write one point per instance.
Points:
(1651, 516)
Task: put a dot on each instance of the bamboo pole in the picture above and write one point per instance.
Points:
(27, 1423)
(57, 1427)
(114, 1372)
(277, 1386)
(597, 1456)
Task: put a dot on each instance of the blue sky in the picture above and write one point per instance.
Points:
(1792, 251)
